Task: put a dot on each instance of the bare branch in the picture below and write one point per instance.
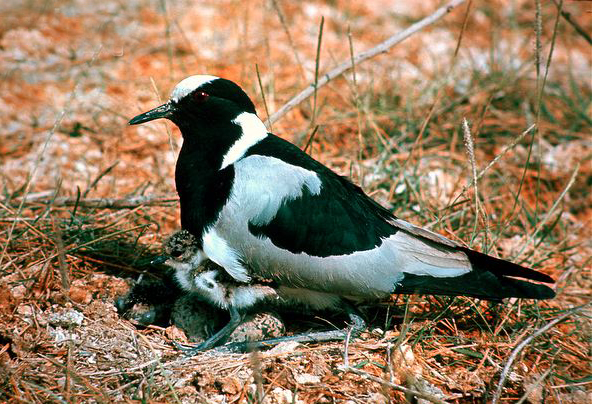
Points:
(118, 203)
(383, 47)
(579, 29)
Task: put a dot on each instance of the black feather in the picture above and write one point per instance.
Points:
(339, 220)
(478, 284)
(203, 190)
(501, 267)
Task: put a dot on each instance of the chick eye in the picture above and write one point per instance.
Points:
(176, 252)
(200, 96)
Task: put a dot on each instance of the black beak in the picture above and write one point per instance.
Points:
(164, 111)
(160, 259)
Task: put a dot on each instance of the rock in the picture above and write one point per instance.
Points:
(69, 318)
(258, 327)
(198, 319)
(306, 378)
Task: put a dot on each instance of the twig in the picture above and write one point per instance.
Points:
(310, 139)
(498, 157)
(99, 177)
(540, 93)
(440, 92)
(346, 348)
(574, 24)
(160, 365)
(394, 386)
(255, 361)
(491, 164)
(316, 76)
(117, 203)
(523, 345)
(356, 97)
(347, 368)
(59, 241)
(29, 225)
(166, 127)
(263, 96)
(96, 240)
(383, 47)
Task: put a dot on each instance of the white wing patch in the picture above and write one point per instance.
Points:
(253, 131)
(262, 184)
(218, 250)
(189, 84)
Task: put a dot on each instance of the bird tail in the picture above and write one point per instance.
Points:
(490, 279)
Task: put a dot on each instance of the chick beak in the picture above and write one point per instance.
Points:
(164, 111)
(161, 259)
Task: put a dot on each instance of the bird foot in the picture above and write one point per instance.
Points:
(189, 349)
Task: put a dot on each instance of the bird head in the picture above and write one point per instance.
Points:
(181, 251)
(202, 97)
(211, 111)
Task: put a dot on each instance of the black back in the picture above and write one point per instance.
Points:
(341, 219)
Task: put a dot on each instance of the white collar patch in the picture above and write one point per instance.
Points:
(253, 131)
(189, 84)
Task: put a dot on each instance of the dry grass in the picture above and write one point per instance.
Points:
(74, 72)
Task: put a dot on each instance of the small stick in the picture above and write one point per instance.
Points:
(551, 211)
(574, 24)
(263, 96)
(316, 76)
(282, 18)
(117, 203)
(346, 348)
(59, 242)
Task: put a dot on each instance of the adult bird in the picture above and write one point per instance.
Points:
(261, 208)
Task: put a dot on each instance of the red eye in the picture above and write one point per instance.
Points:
(200, 96)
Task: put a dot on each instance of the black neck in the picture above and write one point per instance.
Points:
(202, 187)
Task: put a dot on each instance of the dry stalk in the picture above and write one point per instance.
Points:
(130, 202)
(255, 361)
(579, 29)
(59, 241)
(470, 146)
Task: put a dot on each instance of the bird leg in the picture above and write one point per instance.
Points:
(218, 338)
(356, 327)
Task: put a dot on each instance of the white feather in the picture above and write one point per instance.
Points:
(190, 84)
(247, 296)
(263, 183)
(206, 285)
(218, 250)
(253, 131)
